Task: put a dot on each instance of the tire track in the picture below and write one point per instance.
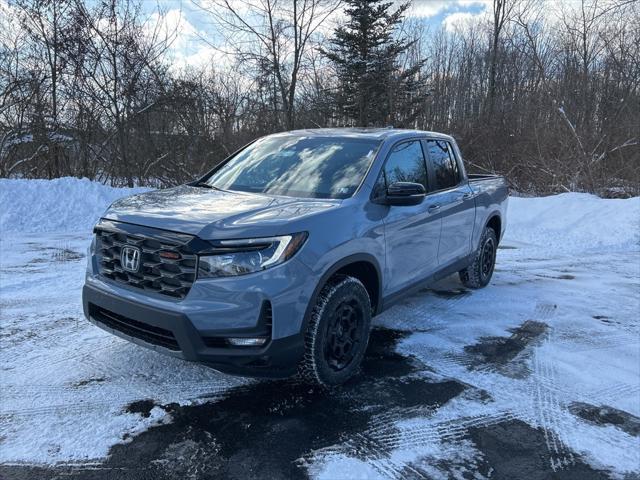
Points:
(63, 357)
(67, 409)
(373, 445)
(607, 394)
(547, 406)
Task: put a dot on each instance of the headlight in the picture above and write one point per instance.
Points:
(239, 257)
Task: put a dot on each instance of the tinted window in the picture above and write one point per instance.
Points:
(406, 164)
(444, 164)
(298, 166)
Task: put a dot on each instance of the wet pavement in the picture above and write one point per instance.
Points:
(265, 429)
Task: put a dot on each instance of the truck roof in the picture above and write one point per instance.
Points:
(366, 132)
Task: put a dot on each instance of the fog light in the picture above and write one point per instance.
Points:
(246, 342)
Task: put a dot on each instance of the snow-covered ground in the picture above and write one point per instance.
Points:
(551, 349)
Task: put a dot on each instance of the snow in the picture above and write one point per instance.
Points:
(60, 205)
(18, 139)
(570, 261)
(574, 222)
(343, 467)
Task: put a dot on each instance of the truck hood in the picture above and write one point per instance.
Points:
(213, 214)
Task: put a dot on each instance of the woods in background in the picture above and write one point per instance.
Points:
(546, 93)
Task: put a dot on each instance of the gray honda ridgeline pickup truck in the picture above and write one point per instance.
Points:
(276, 260)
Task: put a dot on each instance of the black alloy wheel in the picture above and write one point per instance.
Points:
(487, 258)
(344, 334)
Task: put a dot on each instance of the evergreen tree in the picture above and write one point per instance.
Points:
(373, 90)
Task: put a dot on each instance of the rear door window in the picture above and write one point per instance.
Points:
(445, 167)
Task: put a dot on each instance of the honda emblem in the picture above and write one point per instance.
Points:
(130, 259)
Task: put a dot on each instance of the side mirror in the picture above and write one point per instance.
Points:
(404, 194)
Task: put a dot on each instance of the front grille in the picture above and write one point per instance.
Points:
(167, 276)
(133, 328)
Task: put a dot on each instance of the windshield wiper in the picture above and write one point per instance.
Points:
(206, 185)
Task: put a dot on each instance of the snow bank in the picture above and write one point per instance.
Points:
(60, 205)
(574, 221)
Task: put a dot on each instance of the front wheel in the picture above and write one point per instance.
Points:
(338, 332)
(479, 273)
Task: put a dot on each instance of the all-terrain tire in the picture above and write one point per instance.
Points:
(340, 323)
(478, 274)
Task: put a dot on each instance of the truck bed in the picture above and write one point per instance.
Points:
(474, 177)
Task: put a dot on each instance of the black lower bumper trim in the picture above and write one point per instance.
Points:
(128, 326)
(173, 333)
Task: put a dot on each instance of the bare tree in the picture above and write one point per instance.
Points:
(274, 36)
(46, 26)
(502, 11)
(119, 67)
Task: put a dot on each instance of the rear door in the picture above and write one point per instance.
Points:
(412, 233)
(453, 199)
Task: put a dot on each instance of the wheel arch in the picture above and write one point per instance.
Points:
(362, 266)
(495, 222)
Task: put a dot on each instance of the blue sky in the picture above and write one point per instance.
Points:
(192, 24)
(433, 12)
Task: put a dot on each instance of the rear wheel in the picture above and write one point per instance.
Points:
(479, 273)
(338, 332)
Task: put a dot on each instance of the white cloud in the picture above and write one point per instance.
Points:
(475, 3)
(188, 47)
(429, 8)
(458, 20)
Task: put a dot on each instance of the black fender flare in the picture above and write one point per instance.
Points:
(358, 257)
(491, 216)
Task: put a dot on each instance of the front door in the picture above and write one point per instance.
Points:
(412, 233)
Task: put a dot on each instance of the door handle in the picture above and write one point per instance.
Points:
(433, 208)
(467, 196)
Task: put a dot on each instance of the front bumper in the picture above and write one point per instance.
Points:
(154, 328)
(195, 327)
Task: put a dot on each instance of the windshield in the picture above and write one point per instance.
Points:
(298, 166)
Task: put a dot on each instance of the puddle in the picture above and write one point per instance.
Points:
(382, 360)
(514, 449)
(501, 352)
(604, 415)
(143, 407)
